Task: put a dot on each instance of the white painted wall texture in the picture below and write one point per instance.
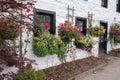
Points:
(82, 7)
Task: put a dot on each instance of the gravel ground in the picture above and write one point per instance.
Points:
(110, 71)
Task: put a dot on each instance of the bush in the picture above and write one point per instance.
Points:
(30, 74)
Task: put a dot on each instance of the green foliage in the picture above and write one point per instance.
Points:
(41, 51)
(30, 74)
(86, 41)
(8, 29)
(47, 43)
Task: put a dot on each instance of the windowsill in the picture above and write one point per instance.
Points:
(118, 11)
(104, 7)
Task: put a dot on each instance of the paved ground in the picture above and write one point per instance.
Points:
(110, 71)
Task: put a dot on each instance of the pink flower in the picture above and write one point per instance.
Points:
(61, 24)
(20, 30)
(46, 25)
(66, 21)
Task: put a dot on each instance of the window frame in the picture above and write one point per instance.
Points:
(104, 3)
(118, 6)
(51, 14)
(83, 19)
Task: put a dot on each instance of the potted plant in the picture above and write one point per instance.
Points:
(67, 32)
(45, 43)
(85, 42)
(96, 31)
(114, 34)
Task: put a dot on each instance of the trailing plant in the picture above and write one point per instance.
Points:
(30, 74)
(85, 42)
(96, 31)
(67, 32)
(114, 34)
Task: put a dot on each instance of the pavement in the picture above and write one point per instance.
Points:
(109, 71)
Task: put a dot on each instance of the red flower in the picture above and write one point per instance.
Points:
(46, 25)
(27, 10)
(66, 21)
(30, 15)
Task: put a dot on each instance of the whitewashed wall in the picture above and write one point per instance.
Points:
(82, 7)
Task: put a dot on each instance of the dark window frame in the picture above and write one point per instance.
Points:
(84, 19)
(51, 14)
(118, 6)
(104, 3)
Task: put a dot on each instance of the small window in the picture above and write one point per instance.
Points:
(82, 24)
(118, 5)
(43, 17)
(104, 3)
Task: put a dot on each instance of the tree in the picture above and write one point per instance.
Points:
(16, 12)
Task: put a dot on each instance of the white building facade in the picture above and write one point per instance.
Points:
(54, 12)
(105, 12)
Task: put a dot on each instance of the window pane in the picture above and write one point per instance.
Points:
(43, 19)
(104, 3)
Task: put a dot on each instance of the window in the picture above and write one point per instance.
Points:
(104, 3)
(82, 24)
(118, 5)
(43, 17)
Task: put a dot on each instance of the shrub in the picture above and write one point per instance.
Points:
(30, 74)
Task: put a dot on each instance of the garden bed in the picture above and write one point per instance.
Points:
(70, 69)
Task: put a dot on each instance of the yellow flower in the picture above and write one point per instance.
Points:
(39, 44)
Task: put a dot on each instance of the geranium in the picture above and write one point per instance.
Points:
(67, 31)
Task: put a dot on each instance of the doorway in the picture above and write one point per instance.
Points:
(103, 41)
